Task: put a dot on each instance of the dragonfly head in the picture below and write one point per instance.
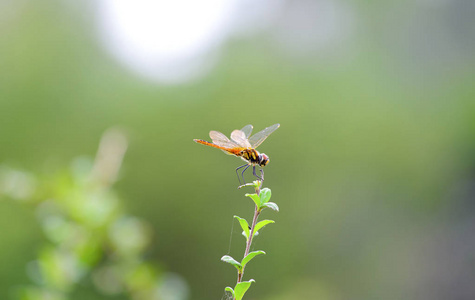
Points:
(263, 159)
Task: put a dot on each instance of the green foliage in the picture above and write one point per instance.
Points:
(255, 198)
(230, 290)
(244, 226)
(250, 256)
(88, 234)
(271, 205)
(261, 200)
(241, 288)
(261, 224)
(265, 195)
(228, 259)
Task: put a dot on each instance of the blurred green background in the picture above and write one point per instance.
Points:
(373, 167)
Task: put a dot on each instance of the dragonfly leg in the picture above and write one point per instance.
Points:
(254, 173)
(242, 171)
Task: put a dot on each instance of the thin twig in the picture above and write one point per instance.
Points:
(251, 235)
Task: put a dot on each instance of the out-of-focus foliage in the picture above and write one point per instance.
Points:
(372, 167)
(89, 236)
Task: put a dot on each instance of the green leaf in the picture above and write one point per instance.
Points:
(229, 289)
(265, 195)
(241, 288)
(250, 256)
(228, 259)
(256, 183)
(272, 205)
(244, 226)
(262, 224)
(255, 198)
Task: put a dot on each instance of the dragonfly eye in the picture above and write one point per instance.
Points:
(263, 160)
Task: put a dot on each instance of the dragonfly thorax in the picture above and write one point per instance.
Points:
(254, 157)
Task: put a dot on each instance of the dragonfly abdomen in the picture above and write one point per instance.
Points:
(233, 151)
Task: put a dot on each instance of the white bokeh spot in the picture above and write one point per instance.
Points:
(166, 41)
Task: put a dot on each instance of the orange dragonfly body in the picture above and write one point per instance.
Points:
(243, 146)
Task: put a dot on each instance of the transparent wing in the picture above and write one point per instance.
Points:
(221, 140)
(240, 138)
(247, 130)
(259, 137)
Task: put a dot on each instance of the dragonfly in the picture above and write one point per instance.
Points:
(244, 146)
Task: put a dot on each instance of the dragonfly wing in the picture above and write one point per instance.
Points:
(221, 140)
(259, 137)
(240, 138)
(247, 130)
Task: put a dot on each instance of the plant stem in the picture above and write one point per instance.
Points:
(254, 221)
(257, 212)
